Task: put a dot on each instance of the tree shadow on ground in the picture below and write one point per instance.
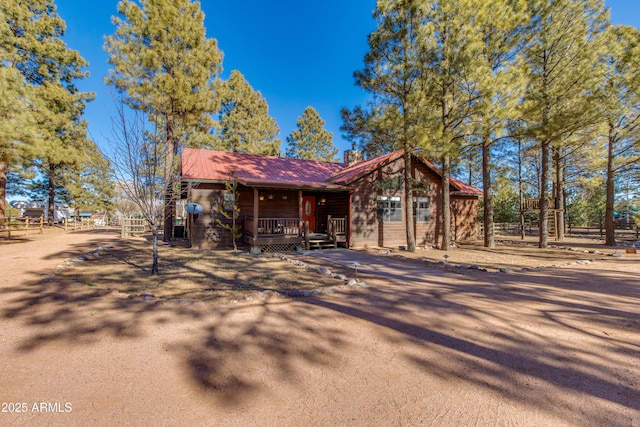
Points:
(524, 337)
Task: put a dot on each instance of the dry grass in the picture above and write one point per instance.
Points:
(227, 276)
(512, 253)
(194, 274)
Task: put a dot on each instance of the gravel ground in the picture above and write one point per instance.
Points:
(547, 347)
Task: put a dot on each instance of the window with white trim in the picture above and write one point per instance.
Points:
(389, 208)
(421, 209)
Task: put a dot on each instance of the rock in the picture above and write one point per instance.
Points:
(341, 277)
(352, 282)
(324, 271)
(255, 250)
(364, 285)
(147, 295)
(617, 255)
(506, 270)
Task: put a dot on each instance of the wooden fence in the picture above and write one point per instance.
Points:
(134, 227)
(22, 226)
(80, 224)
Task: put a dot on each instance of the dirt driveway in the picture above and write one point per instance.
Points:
(560, 346)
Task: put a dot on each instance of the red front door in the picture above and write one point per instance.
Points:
(309, 211)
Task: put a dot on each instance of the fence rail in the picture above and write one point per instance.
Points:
(134, 227)
(22, 226)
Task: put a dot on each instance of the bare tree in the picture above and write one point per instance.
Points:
(137, 159)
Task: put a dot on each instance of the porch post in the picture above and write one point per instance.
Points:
(349, 216)
(256, 211)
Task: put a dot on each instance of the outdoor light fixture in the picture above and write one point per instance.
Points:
(323, 201)
(270, 196)
(261, 197)
(284, 197)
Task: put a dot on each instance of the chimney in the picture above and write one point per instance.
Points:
(351, 157)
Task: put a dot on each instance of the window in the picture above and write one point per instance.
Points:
(421, 209)
(389, 208)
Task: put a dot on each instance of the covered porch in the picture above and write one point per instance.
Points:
(287, 219)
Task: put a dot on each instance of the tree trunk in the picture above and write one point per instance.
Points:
(3, 192)
(544, 200)
(408, 202)
(169, 157)
(446, 205)
(487, 194)
(51, 195)
(609, 225)
(154, 266)
(559, 192)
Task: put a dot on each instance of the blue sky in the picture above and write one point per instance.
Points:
(296, 53)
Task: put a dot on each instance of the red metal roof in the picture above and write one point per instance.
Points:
(350, 174)
(249, 169)
(214, 166)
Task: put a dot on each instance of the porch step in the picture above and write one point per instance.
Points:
(321, 244)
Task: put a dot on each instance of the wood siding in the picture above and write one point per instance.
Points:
(369, 230)
(365, 228)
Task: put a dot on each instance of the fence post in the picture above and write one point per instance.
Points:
(26, 227)
(9, 228)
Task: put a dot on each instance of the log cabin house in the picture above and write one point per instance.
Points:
(289, 203)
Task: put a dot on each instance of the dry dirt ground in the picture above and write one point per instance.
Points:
(230, 339)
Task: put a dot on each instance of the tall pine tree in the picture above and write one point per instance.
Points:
(311, 141)
(31, 44)
(450, 68)
(620, 109)
(501, 29)
(392, 74)
(168, 68)
(245, 124)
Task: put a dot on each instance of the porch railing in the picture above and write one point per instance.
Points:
(337, 229)
(273, 226)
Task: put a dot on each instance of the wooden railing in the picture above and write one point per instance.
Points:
(337, 229)
(534, 204)
(530, 204)
(273, 226)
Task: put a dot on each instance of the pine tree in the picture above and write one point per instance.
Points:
(245, 124)
(17, 127)
(310, 141)
(49, 68)
(450, 66)
(392, 73)
(561, 57)
(45, 104)
(91, 187)
(167, 67)
(501, 31)
(619, 103)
